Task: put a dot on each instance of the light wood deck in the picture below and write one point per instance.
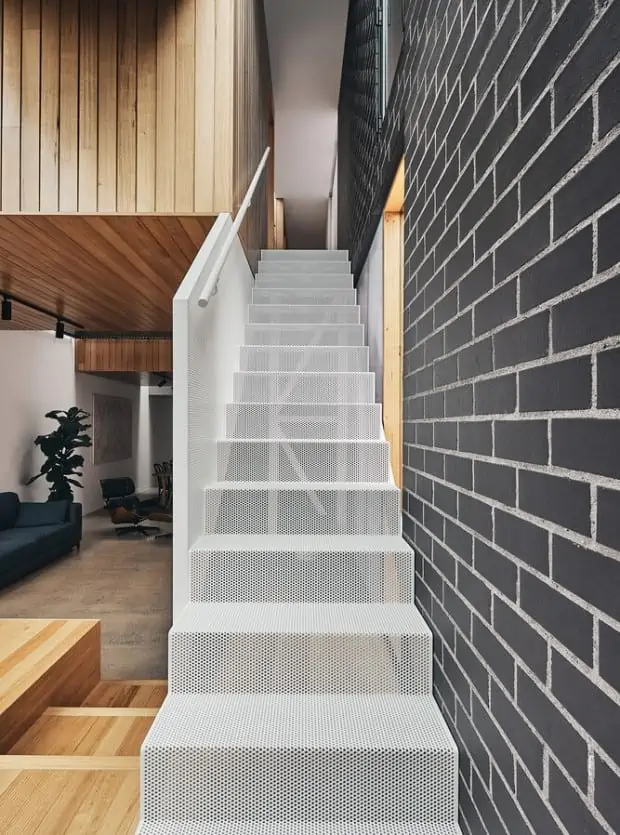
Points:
(44, 663)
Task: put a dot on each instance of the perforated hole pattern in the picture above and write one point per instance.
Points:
(303, 387)
(326, 295)
(257, 358)
(304, 314)
(319, 334)
(304, 422)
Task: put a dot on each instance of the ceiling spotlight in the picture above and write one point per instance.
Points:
(60, 329)
(6, 309)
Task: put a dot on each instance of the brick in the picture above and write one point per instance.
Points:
(559, 500)
(593, 56)
(510, 813)
(460, 401)
(608, 518)
(442, 559)
(608, 239)
(484, 36)
(433, 291)
(476, 437)
(478, 282)
(435, 230)
(475, 591)
(445, 435)
(434, 347)
(459, 332)
(588, 445)
(524, 341)
(476, 515)
(496, 396)
(591, 576)
(609, 652)
(524, 47)
(477, 206)
(534, 806)
(459, 471)
(607, 792)
(500, 46)
(567, 621)
(609, 103)
(459, 263)
(565, 150)
(443, 689)
(497, 308)
(523, 539)
(432, 578)
(558, 45)
(528, 644)
(594, 710)
(499, 220)
(503, 127)
(587, 191)
(459, 610)
(527, 241)
(518, 731)
(495, 481)
(557, 386)
(501, 753)
(434, 405)
(476, 359)
(522, 440)
(487, 808)
(434, 463)
(499, 570)
(445, 371)
(461, 193)
(565, 267)
(569, 806)
(473, 747)
(590, 317)
(459, 540)
(473, 667)
(525, 144)
(462, 120)
(424, 434)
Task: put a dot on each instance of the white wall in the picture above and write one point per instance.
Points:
(37, 375)
(370, 296)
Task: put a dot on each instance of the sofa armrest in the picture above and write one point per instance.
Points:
(75, 517)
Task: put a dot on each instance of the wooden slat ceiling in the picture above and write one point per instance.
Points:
(107, 272)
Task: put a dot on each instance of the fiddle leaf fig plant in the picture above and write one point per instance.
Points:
(63, 464)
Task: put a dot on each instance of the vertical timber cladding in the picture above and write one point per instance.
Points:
(510, 118)
(111, 106)
(252, 117)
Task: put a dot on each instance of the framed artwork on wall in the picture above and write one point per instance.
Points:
(112, 429)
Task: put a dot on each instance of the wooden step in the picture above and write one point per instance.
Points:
(44, 663)
(92, 800)
(86, 732)
(135, 693)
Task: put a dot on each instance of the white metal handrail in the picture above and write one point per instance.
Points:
(211, 283)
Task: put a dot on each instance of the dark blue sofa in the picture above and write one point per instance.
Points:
(33, 534)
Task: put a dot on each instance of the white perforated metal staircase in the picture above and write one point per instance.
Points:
(300, 673)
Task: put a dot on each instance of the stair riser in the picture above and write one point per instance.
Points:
(297, 255)
(308, 336)
(270, 387)
(294, 461)
(299, 784)
(286, 281)
(312, 421)
(299, 267)
(304, 359)
(310, 296)
(301, 577)
(303, 314)
(310, 512)
(268, 663)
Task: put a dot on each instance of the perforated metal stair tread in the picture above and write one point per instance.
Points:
(295, 828)
(301, 721)
(303, 618)
(308, 544)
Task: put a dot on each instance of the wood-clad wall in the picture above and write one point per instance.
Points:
(252, 117)
(113, 105)
(123, 355)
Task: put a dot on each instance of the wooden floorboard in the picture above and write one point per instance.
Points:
(114, 735)
(43, 663)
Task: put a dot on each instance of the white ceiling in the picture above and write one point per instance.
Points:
(306, 43)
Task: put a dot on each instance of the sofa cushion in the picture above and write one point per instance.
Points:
(9, 507)
(37, 514)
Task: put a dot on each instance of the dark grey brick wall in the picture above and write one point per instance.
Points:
(509, 115)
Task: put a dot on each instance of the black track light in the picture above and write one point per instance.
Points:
(6, 309)
(60, 329)
(162, 382)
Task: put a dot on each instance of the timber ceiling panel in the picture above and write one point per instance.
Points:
(107, 272)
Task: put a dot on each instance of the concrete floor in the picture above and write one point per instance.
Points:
(126, 582)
